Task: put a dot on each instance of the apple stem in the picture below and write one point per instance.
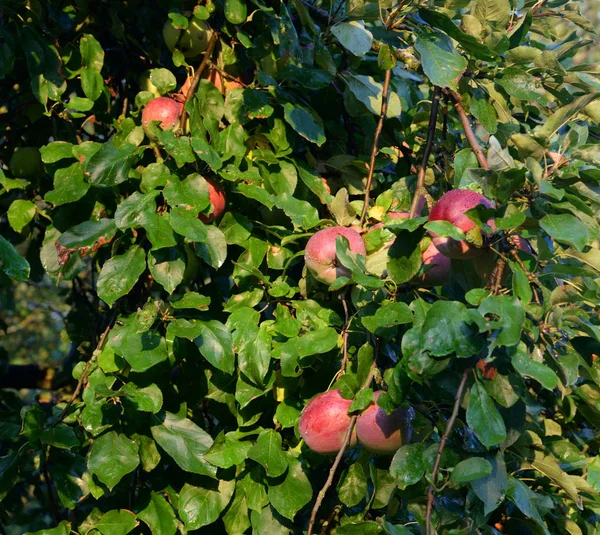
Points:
(419, 190)
(469, 134)
(374, 150)
(197, 75)
(340, 454)
(438, 458)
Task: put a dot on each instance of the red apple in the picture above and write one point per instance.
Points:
(321, 257)
(439, 274)
(163, 109)
(217, 198)
(381, 432)
(223, 84)
(324, 422)
(452, 207)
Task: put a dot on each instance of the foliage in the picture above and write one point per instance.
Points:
(199, 344)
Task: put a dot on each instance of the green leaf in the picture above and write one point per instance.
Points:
(593, 473)
(353, 485)
(353, 36)
(509, 317)
(214, 343)
(227, 451)
(293, 493)
(237, 517)
(20, 213)
(140, 350)
(302, 213)
(442, 64)
(146, 399)
(492, 11)
(200, 506)
(178, 147)
(213, 249)
(484, 419)
(317, 342)
(366, 90)
(386, 59)
(190, 193)
(485, 113)
(159, 516)
(64, 528)
(491, 489)
(61, 436)
(267, 452)
(134, 211)
(304, 123)
(445, 331)
(69, 185)
(119, 522)
(163, 79)
(526, 500)
(88, 234)
(520, 84)
(409, 465)
(111, 457)
(467, 42)
(562, 115)
(470, 469)
(236, 11)
(528, 367)
(92, 54)
(120, 273)
(254, 357)
(111, 165)
(185, 442)
(167, 266)
(186, 223)
(11, 262)
(566, 228)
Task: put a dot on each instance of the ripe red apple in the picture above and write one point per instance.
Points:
(381, 432)
(216, 194)
(439, 274)
(452, 207)
(163, 109)
(324, 422)
(320, 255)
(223, 84)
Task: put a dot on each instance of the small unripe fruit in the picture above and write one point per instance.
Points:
(321, 257)
(194, 40)
(452, 207)
(26, 162)
(325, 421)
(217, 198)
(381, 432)
(163, 109)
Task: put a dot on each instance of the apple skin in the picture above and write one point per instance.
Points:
(324, 422)
(221, 83)
(452, 207)
(216, 194)
(439, 274)
(194, 40)
(163, 109)
(384, 433)
(320, 256)
(26, 162)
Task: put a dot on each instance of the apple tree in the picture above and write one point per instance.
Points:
(328, 267)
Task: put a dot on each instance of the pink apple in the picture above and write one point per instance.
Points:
(217, 198)
(163, 109)
(321, 257)
(324, 422)
(381, 432)
(452, 207)
(439, 274)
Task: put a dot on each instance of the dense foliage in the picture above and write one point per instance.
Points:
(195, 344)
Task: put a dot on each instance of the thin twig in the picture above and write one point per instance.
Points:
(497, 274)
(224, 74)
(83, 376)
(469, 134)
(196, 80)
(374, 150)
(48, 482)
(345, 334)
(435, 104)
(338, 457)
(321, 13)
(438, 458)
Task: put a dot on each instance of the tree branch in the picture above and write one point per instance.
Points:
(374, 150)
(338, 457)
(438, 458)
(469, 134)
(435, 104)
(196, 80)
(83, 376)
